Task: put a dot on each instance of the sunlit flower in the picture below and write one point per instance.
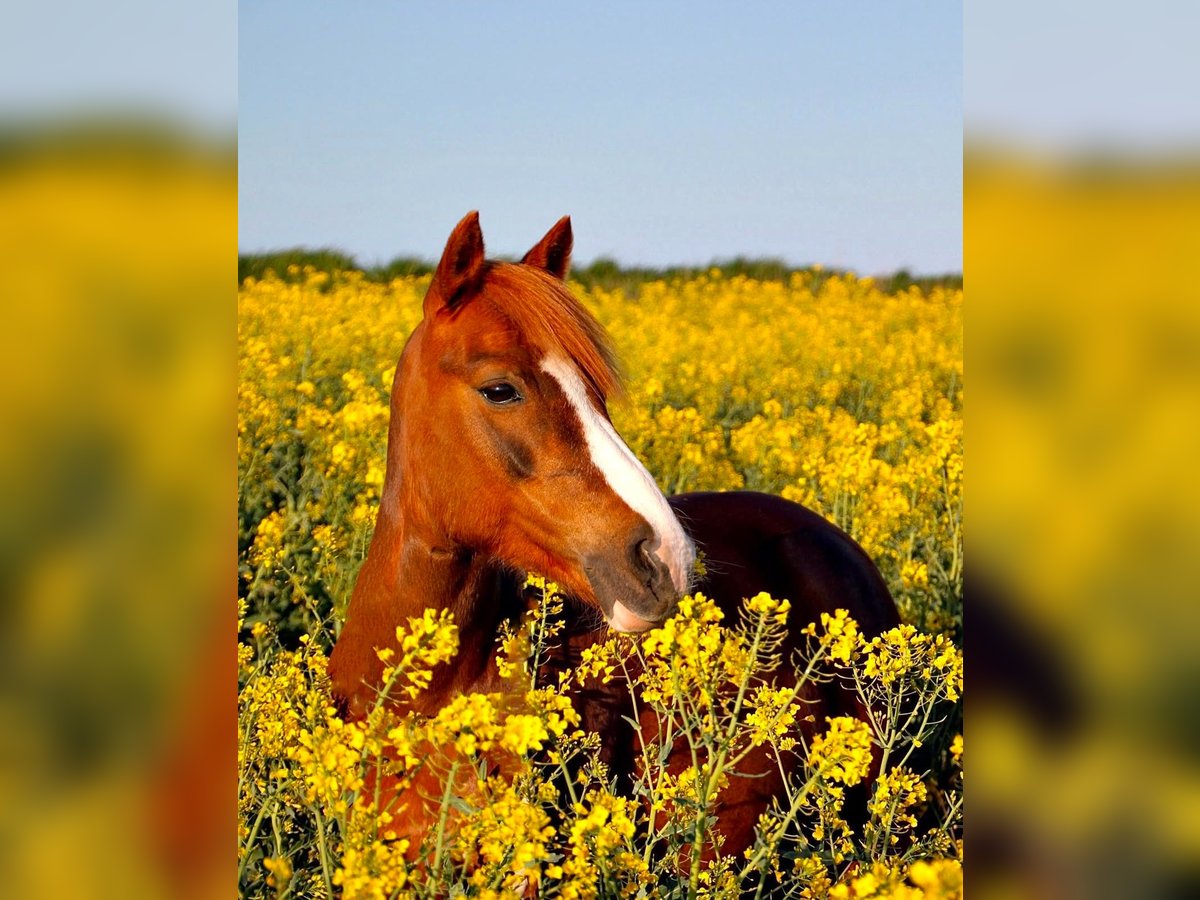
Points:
(843, 753)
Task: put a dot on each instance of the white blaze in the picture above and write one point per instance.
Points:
(626, 475)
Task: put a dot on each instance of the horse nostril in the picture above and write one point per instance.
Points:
(644, 559)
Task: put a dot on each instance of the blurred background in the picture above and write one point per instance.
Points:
(1082, 223)
(119, 223)
(118, 229)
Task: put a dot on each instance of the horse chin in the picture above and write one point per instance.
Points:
(626, 621)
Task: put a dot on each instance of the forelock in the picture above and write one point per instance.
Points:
(552, 321)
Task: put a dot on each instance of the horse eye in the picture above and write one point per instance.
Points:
(500, 393)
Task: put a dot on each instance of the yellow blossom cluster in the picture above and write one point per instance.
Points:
(840, 633)
(427, 640)
(905, 654)
(843, 753)
(897, 794)
(763, 604)
(553, 819)
(602, 861)
(508, 841)
(772, 715)
(374, 872)
(940, 880)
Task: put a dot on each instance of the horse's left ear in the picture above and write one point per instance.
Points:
(553, 252)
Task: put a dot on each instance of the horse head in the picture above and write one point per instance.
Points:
(502, 446)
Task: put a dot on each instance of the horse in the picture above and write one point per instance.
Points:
(502, 459)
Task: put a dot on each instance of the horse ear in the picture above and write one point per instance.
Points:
(553, 252)
(460, 268)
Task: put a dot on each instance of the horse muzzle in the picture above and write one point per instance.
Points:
(635, 591)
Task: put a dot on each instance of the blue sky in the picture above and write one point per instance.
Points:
(670, 132)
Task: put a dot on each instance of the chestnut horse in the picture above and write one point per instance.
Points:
(502, 460)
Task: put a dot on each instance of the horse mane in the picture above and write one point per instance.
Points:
(548, 316)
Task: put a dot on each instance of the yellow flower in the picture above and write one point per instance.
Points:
(843, 753)
(904, 654)
(897, 794)
(554, 710)
(426, 641)
(523, 733)
(940, 879)
(470, 722)
(764, 604)
(280, 869)
(772, 715)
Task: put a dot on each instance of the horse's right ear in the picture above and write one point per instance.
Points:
(460, 269)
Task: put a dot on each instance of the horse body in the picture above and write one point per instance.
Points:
(502, 460)
(752, 542)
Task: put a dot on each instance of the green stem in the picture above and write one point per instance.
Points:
(758, 890)
(652, 817)
(920, 734)
(568, 779)
(536, 639)
(443, 816)
(280, 894)
(378, 788)
(951, 812)
(324, 851)
(253, 835)
(697, 838)
(745, 681)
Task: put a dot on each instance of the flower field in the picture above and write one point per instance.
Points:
(822, 388)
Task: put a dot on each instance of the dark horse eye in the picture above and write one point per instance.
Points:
(500, 393)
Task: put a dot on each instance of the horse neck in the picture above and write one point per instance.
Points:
(408, 571)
